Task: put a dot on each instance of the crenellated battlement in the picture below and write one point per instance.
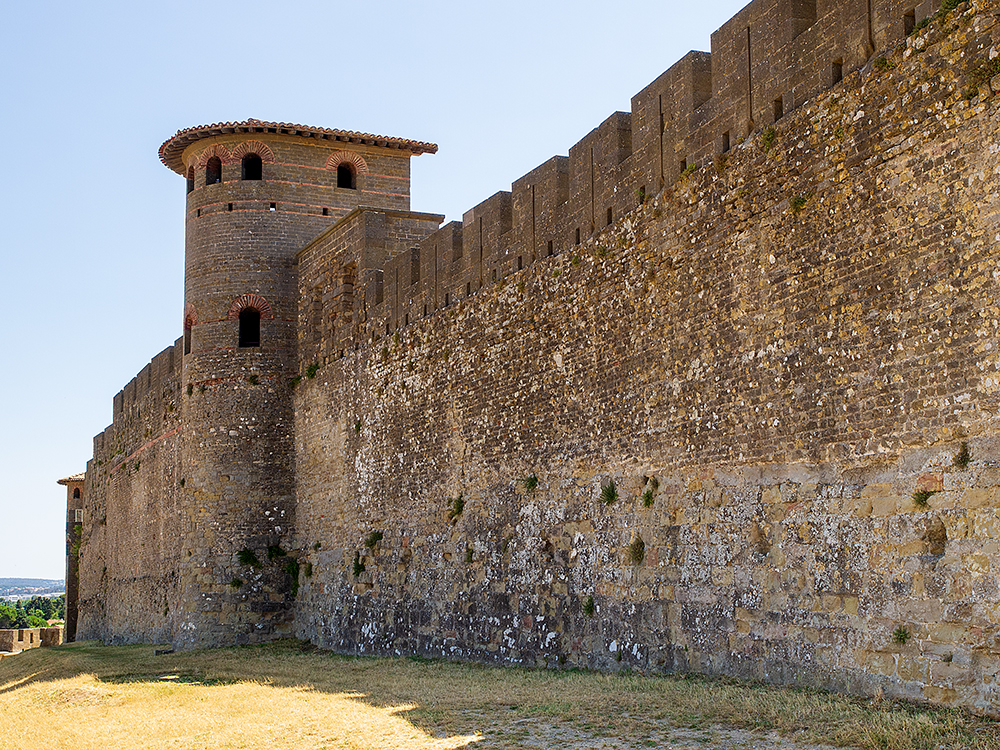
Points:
(726, 373)
(765, 62)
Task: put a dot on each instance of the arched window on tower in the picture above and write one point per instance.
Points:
(190, 179)
(249, 327)
(345, 176)
(76, 493)
(213, 171)
(253, 167)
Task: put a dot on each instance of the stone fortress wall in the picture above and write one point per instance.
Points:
(129, 545)
(766, 61)
(715, 392)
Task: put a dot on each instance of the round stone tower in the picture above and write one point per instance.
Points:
(257, 193)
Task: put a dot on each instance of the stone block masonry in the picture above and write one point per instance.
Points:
(715, 392)
(15, 641)
(768, 361)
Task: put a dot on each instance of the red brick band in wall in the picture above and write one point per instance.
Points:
(190, 316)
(339, 157)
(254, 301)
(253, 147)
(216, 150)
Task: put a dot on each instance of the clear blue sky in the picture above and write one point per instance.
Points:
(92, 242)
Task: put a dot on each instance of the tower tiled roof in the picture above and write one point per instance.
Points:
(173, 148)
(75, 478)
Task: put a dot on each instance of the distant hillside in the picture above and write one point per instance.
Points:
(22, 587)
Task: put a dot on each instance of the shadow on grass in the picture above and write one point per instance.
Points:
(454, 700)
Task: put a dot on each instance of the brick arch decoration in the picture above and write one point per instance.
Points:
(254, 301)
(253, 147)
(339, 157)
(217, 150)
(190, 317)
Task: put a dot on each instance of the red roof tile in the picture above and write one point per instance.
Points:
(173, 148)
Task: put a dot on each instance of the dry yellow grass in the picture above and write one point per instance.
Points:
(285, 697)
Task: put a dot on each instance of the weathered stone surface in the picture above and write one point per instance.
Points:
(625, 416)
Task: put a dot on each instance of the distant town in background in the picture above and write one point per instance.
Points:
(26, 588)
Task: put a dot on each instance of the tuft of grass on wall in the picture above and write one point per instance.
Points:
(609, 492)
(292, 568)
(373, 538)
(962, 458)
(636, 550)
(648, 494)
(457, 506)
(247, 558)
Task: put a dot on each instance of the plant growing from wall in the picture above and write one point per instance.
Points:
(457, 506)
(252, 378)
(588, 606)
(799, 202)
(236, 583)
(202, 388)
(767, 138)
(246, 557)
(636, 550)
(357, 426)
(307, 569)
(884, 64)
(468, 554)
(529, 482)
(292, 568)
(652, 485)
(359, 566)
(920, 497)
(900, 635)
(275, 551)
(311, 370)
(373, 538)
(609, 492)
(190, 388)
(292, 382)
(962, 458)
(317, 545)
